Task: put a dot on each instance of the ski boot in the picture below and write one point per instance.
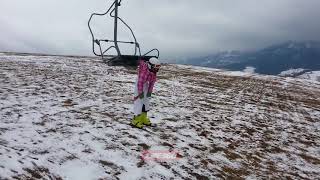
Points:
(145, 120)
(137, 121)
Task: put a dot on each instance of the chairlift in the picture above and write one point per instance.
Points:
(119, 59)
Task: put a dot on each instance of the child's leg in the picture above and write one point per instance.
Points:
(138, 103)
(137, 109)
(137, 119)
(146, 104)
(146, 99)
(144, 108)
(144, 116)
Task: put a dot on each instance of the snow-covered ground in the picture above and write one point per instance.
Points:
(249, 69)
(292, 72)
(67, 118)
(312, 75)
(302, 74)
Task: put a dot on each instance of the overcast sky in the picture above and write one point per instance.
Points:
(179, 28)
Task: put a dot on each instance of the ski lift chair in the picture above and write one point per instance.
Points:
(119, 59)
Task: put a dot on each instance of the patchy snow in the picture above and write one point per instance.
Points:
(198, 68)
(292, 72)
(312, 75)
(249, 69)
(238, 73)
(67, 118)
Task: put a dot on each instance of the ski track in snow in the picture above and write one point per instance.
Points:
(67, 118)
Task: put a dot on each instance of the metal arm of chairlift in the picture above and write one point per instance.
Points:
(114, 11)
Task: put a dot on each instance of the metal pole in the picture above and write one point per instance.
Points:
(116, 27)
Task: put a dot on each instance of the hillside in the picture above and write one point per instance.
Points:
(67, 118)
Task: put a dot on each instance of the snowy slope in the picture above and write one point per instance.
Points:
(312, 75)
(67, 118)
(292, 72)
(302, 74)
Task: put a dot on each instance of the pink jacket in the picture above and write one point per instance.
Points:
(145, 76)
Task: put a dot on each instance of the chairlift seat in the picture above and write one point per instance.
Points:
(119, 59)
(127, 60)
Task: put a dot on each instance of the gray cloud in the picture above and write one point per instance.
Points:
(178, 28)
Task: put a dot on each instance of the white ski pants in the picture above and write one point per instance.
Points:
(138, 103)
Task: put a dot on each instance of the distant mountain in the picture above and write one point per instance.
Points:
(218, 60)
(271, 60)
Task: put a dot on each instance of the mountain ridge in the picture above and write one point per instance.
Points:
(271, 60)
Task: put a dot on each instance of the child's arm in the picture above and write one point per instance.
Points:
(151, 85)
(142, 76)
